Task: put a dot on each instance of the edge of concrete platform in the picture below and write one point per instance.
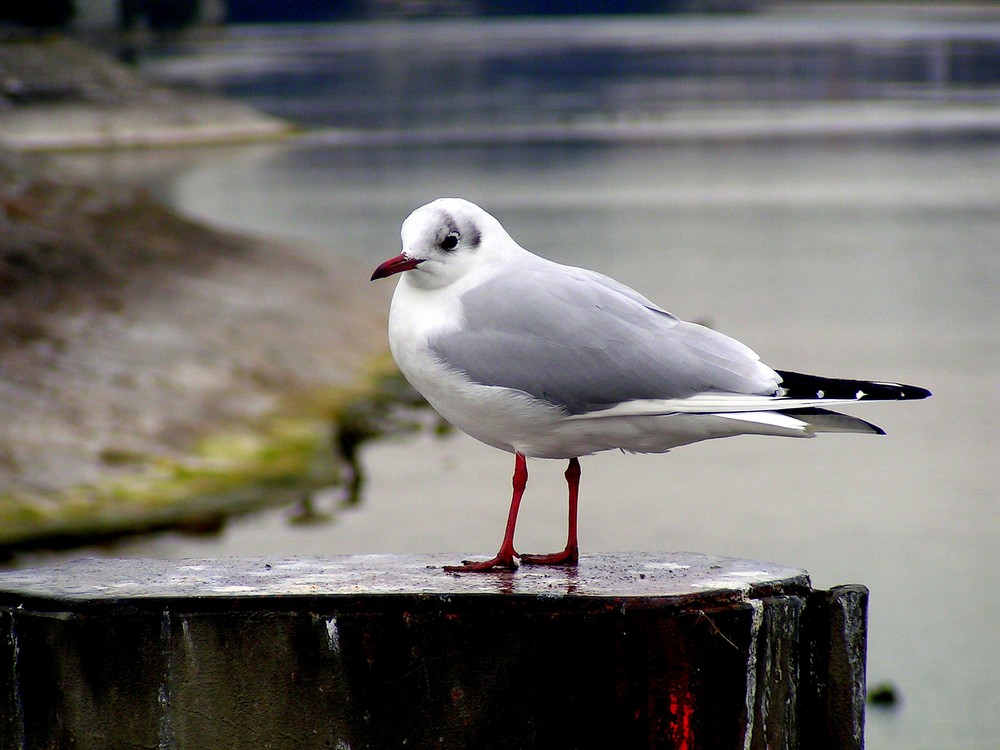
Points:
(659, 576)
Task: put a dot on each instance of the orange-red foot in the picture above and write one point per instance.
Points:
(569, 556)
(501, 561)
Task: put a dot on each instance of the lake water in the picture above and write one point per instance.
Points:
(842, 256)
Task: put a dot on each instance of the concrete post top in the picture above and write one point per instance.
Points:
(616, 576)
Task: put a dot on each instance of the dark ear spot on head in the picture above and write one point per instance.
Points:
(473, 236)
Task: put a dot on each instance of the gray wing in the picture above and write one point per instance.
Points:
(584, 342)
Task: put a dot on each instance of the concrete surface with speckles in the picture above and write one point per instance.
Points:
(655, 575)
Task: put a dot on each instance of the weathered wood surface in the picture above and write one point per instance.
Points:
(639, 650)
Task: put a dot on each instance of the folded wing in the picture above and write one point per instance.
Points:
(585, 343)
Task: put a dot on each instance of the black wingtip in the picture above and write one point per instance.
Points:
(914, 392)
(799, 385)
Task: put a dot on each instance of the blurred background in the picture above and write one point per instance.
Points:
(195, 193)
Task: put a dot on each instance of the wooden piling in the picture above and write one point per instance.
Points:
(677, 651)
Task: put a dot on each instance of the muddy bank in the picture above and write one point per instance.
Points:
(154, 370)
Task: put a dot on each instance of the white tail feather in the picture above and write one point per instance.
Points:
(710, 403)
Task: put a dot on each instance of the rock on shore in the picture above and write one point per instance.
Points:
(153, 370)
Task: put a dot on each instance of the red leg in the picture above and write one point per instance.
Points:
(571, 554)
(505, 557)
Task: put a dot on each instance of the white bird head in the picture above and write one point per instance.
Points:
(447, 239)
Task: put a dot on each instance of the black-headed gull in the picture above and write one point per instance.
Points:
(551, 361)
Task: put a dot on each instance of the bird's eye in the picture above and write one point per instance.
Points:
(450, 242)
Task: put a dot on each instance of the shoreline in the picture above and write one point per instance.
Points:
(157, 372)
(57, 94)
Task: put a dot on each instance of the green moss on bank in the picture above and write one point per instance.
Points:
(226, 474)
(311, 444)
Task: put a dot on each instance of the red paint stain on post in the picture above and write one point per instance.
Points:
(681, 724)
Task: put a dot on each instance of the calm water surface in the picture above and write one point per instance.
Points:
(852, 258)
(869, 261)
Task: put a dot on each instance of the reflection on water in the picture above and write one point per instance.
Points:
(844, 258)
(513, 72)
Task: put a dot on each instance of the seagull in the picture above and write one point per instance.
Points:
(545, 360)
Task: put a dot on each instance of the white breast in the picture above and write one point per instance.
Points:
(501, 417)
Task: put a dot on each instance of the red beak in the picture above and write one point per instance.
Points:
(396, 265)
